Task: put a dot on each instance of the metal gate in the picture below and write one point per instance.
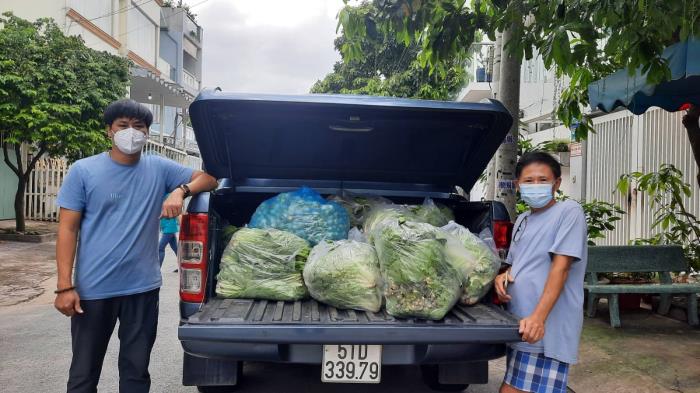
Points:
(624, 143)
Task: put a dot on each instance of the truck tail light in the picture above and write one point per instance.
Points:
(502, 231)
(192, 257)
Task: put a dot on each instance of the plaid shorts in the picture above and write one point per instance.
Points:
(536, 373)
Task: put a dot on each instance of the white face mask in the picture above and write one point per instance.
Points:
(129, 140)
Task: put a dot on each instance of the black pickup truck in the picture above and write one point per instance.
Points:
(404, 150)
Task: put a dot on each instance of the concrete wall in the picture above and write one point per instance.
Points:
(8, 186)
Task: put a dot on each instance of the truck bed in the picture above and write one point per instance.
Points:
(308, 321)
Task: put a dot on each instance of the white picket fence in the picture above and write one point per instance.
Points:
(42, 189)
(46, 179)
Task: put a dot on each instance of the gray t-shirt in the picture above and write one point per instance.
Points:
(560, 229)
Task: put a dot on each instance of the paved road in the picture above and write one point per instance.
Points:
(35, 356)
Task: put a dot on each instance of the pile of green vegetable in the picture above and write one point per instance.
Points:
(474, 259)
(263, 264)
(419, 279)
(414, 257)
(344, 274)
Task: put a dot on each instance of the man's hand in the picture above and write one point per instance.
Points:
(172, 207)
(68, 303)
(500, 285)
(532, 328)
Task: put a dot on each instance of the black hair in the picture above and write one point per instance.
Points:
(127, 108)
(538, 157)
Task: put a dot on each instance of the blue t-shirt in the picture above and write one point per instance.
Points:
(120, 204)
(562, 230)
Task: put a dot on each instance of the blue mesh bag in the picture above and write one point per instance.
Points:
(304, 213)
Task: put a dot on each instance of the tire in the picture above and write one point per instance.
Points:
(430, 374)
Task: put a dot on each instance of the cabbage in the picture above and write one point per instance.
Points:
(479, 265)
(263, 264)
(419, 280)
(344, 274)
(304, 213)
(432, 213)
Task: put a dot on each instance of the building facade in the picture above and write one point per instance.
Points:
(164, 45)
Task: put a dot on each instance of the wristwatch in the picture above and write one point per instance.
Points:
(186, 189)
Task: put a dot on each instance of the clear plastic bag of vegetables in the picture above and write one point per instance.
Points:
(429, 212)
(432, 213)
(263, 264)
(479, 265)
(344, 274)
(419, 281)
(383, 214)
(358, 205)
(304, 213)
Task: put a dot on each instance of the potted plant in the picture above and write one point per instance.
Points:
(559, 147)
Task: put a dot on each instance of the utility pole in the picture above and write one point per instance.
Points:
(509, 94)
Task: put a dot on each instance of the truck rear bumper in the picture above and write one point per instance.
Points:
(349, 334)
(393, 354)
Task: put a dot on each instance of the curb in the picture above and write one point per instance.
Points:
(15, 237)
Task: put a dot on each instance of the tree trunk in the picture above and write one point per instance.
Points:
(690, 121)
(507, 154)
(490, 186)
(19, 204)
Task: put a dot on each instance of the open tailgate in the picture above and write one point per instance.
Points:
(308, 322)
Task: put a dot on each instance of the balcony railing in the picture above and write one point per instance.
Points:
(190, 81)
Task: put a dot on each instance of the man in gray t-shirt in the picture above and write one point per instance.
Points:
(544, 285)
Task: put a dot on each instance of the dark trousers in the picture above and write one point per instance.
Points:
(90, 331)
(165, 239)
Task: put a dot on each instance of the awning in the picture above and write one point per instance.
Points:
(145, 84)
(634, 93)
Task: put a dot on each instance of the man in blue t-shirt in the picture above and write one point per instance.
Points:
(112, 202)
(544, 285)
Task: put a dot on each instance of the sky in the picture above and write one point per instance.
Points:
(267, 46)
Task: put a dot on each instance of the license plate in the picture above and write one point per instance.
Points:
(352, 364)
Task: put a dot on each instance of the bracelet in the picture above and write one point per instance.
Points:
(63, 290)
(186, 189)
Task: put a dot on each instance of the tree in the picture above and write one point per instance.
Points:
(583, 40)
(672, 221)
(53, 90)
(390, 68)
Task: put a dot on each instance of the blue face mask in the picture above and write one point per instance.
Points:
(536, 195)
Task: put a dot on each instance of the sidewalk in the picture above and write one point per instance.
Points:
(25, 266)
(649, 354)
